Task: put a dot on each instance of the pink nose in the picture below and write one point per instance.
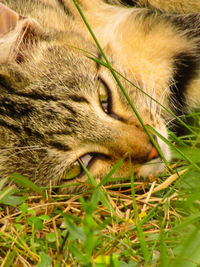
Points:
(153, 154)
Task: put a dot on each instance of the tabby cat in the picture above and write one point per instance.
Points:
(59, 107)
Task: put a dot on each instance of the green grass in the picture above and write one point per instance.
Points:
(152, 223)
(155, 222)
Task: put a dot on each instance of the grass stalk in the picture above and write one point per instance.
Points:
(137, 219)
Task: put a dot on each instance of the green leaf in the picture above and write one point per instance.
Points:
(75, 231)
(163, 249)
(192, 153)
(44, 217)
(106, 259)
(9, 261)
(97, 191)
(24, 182)
(14, 200)
(175, 148)
(51, 237)
(45, 260)
(80, 257)
(24, 208)
(189, 255)
(6, 193)
(33, 220)
(130, 264)
(108, 177)
(18, 226)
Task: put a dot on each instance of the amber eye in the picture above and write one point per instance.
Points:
(76, 168)
(104, 96)
(74, 171)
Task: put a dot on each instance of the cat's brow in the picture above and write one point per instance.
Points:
(10, 126)
(32, 95)
(69, 108)
(77, 98)
(37, 96)
(60, 146)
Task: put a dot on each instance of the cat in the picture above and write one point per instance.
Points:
(59, 107)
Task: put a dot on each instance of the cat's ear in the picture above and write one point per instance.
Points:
(17, 35)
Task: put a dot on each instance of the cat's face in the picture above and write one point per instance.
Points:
(63, 107)
(57, 106)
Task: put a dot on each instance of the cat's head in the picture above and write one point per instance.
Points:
(58, 107)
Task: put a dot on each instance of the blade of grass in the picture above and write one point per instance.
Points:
(7, 192)
(103, 197)
(154, 209)
(3, 183)
(20, 244)
(108, 176)
(23, 181)
(190, 250)
(163, 248)
(141, 237)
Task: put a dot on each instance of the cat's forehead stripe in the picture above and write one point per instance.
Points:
(77, 98)
(98, 65)
(60, 146)
(11, 126)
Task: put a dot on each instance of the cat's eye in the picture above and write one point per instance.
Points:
(74, 171)
(103, 92)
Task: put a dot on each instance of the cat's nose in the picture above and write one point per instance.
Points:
(153, 154)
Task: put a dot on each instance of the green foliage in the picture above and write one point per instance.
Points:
(45, 260)
(98, 232)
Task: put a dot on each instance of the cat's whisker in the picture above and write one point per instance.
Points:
(24, 150)
(143, 96)
(161, 100)
(174, 119)
(135, 81)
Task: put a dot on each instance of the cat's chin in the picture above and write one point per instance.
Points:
(153, 167)
(156, 166)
